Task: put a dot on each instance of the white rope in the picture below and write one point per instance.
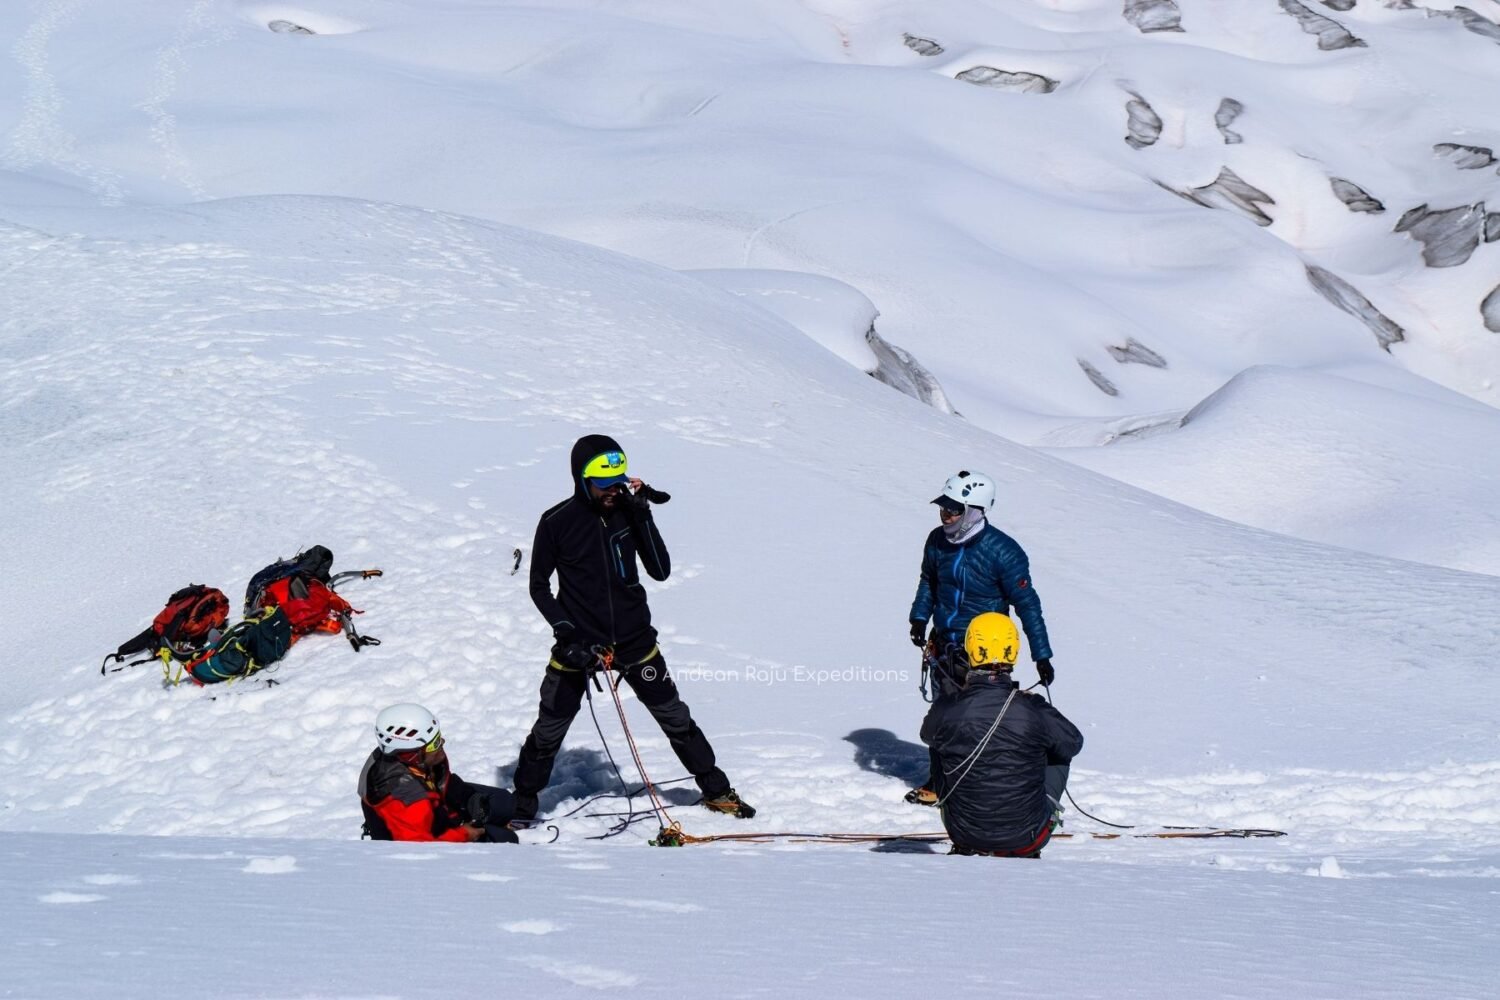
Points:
(973, 757)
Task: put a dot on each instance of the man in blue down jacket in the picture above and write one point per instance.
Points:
(1002, 754)
(969, 566)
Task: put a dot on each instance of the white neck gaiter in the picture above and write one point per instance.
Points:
(966, 527)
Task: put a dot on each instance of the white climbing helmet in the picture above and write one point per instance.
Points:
(405, 727)
(968, 489)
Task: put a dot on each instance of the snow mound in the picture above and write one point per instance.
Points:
(1396, 469)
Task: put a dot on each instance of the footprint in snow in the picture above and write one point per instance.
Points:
(70, 897)
(589, 976)
(531, 927)
(111, 880)
(271, 866)
(656, 905)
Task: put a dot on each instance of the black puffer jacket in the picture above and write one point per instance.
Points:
(1001, 804)
(599, 594)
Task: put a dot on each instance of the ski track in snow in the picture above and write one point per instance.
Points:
(40, 136)
(194, 32)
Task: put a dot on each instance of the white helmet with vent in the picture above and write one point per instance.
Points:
(967, 489)
(405, 727)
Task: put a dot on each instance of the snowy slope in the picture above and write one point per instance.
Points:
(334, 920)
(264, 289)
(1401, 469)
(403, 386)
(1006, 237)
(1055, 263)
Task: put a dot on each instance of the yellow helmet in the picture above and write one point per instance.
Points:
(992, 641)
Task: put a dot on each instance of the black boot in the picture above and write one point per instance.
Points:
(730, 804)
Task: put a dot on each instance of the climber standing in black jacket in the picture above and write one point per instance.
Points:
(592, 541)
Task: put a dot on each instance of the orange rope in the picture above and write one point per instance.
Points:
(607, 661)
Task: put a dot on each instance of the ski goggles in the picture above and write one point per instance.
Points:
(607, 469)
(425, 754)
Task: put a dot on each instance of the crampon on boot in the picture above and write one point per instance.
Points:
(731, 804)
(923, 796)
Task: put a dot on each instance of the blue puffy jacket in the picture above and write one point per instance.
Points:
(989, 572)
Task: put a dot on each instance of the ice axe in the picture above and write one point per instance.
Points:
(347, 620)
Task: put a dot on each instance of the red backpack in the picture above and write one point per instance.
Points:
(309, 604)
(304, 590)
(182, 629)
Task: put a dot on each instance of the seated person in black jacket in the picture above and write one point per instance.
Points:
(407, 791)
(1004, 754)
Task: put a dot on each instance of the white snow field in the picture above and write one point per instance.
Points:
(364, 287)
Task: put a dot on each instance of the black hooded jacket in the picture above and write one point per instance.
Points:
(599, 594)
(1000, 804)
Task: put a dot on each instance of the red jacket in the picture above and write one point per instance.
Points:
(412, 804)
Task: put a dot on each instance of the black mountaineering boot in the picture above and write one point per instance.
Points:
(525, 806)
(731, 804)
(923, 796)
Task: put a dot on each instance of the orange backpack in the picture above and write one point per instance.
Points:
(182, 629)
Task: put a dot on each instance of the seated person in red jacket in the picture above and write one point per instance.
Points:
(407, 791)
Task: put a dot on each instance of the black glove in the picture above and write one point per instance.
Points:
(478, 808)
(642, 499)
(576, 655)
(919, 634)
(1045, 672)
(654, 496)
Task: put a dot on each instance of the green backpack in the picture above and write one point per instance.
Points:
(246, 647)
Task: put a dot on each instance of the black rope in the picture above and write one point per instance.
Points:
(629, 795)
(631, 815)
(1082, 811)
(1096, 819)
(617, 795)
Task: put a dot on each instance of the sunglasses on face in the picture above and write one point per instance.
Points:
(949, 515)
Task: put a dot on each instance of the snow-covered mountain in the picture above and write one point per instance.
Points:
(364, 286)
